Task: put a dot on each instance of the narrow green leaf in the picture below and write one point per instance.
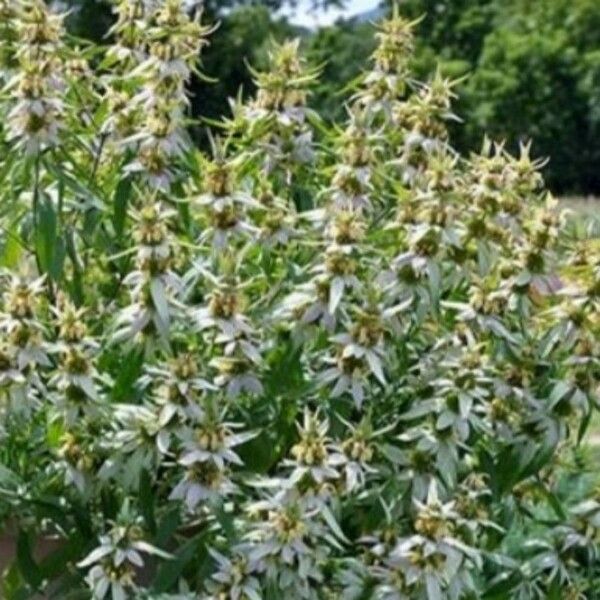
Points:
(27, 565)
(146, 500)
(120, 203)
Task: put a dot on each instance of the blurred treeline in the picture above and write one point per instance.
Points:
(532, 68)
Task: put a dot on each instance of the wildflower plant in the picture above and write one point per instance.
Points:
(315, 361)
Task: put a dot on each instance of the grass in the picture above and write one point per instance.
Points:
(588, 206)
(585, 207)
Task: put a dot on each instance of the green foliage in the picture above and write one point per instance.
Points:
(341, 50)
(532, 74)
(91, 19)
(532, 69)
(532, 80)
(242, 39)
(455, 28)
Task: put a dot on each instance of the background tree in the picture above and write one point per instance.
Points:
(532, 70)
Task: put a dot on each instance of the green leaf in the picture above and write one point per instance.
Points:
(54, 431)
(553, 501)
(27, 565)
(11, 249)
(120, 201)
(127, 373)
(77, 282)
(50, 249)
(159, 298)
(502, 586)
(260, 453)
(583, 426)
(333, 524)
(168, 525)
(56, 563)
(12, 586)
(555, 591)
(147, 501)
(8, 479)
(560, 391)
(170, 571)
(225, 519)
(74, 182)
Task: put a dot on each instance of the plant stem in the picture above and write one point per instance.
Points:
(103, 138)
(35, 206)
(36, 201)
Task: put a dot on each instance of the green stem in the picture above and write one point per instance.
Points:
(35, 206)
(36, 224)
(97, 157)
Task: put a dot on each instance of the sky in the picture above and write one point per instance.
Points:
(301, 16)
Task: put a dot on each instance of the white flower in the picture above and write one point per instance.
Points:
(288, 545)
(225, 224)
(339, 266)
(114, 562)
(207, 455)
(178, 386)
(309, 303)
(314, 455)
(9, 374)
(203, 482)
(139, 442)
(35, 125)
(350, 188)
(236, 376)
(212, 440)
(359, 450)
(347, 375)
(152, 284)
(19, 323)
(432, 560)
(223, 314)
(234, 576)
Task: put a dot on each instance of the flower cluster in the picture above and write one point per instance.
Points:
(320, 362)
(24, 348)
(37, 117)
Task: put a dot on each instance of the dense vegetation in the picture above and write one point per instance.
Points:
(311, 361)
(532, 69)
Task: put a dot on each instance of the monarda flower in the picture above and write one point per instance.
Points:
(137, 441)
(78, 458)
(173, 41)
(275, 218)
(74, 381)
(36, 119)
(314, 456)
(129, 30)
(280, 104)
(178, 388)
(233, 578)
(224, 207)
(153, 283)
(360, 446)
(20, 323)
(434, 561)
(24, 348)
(386, 82)
(113, 563)
(288, 545)
(351, 186)
(207, 455)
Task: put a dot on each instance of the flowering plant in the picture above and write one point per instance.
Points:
(315, 361)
